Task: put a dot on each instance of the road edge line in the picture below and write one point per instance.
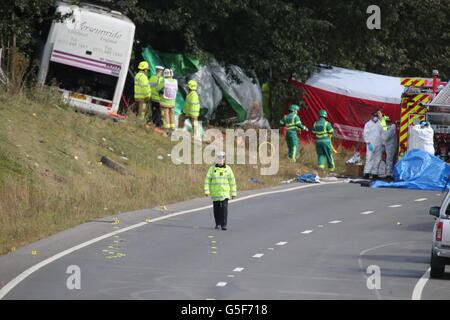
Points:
(420, 285)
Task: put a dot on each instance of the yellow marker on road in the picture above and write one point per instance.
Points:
(210, 237)
(34, 252)
(147, 220)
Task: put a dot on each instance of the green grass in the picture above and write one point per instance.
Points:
(51, 179)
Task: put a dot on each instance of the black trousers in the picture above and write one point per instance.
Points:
(156, 114)
(221, 212)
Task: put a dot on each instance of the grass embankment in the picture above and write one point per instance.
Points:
(51, 179)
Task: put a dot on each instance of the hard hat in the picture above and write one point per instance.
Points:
(323, 113)
(388, 120)
(192, 84)
(220, 155)
(159, 68)
(294, 107)
(424, 123)
(167, 73)
(143, 65)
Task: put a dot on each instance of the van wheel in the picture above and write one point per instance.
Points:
(437, 267)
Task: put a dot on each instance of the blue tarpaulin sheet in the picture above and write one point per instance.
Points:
(419, 170)
(308, 178)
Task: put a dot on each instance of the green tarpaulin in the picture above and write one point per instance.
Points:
(245, 98)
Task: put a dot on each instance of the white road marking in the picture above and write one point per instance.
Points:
(258, 255)
(307, 231)
(418, 288)
(282, 243)
(367, 212)
(320, 226)
(335, 221)
(270, 249)
(25, 274)
(395, 206)
(238, 269)
(421, 199)
(230, 276)
(221, 284)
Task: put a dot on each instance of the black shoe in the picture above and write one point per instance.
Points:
(374, 177)
(224, 228)
(366, 176)
(217, 227)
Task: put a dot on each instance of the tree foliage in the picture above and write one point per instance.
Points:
(273, 38)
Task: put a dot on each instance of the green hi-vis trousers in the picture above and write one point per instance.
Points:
(292, 143)
(324, 154)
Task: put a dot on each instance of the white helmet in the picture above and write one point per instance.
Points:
(220, 155)
(159, 68)
(168, 73)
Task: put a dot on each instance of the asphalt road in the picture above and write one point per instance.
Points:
(311, 243)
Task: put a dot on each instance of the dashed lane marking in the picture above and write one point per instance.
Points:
(367, 212)
(307, 231)
(282, 243)
(258, 255)
(395, 206)
(239, 269)
(221, 284)
(421, 199)
(335, 221)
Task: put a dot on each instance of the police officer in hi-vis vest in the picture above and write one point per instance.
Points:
(220, 184)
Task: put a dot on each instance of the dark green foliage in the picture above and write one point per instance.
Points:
(275, 39)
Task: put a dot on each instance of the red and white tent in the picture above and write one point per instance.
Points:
(349, 97)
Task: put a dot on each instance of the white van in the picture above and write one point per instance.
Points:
(87, 56)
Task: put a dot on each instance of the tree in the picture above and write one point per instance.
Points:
(412, 41)
(21, 26)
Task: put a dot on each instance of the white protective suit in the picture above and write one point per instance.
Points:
(421, 138)
(372, 135)
(389, 139)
